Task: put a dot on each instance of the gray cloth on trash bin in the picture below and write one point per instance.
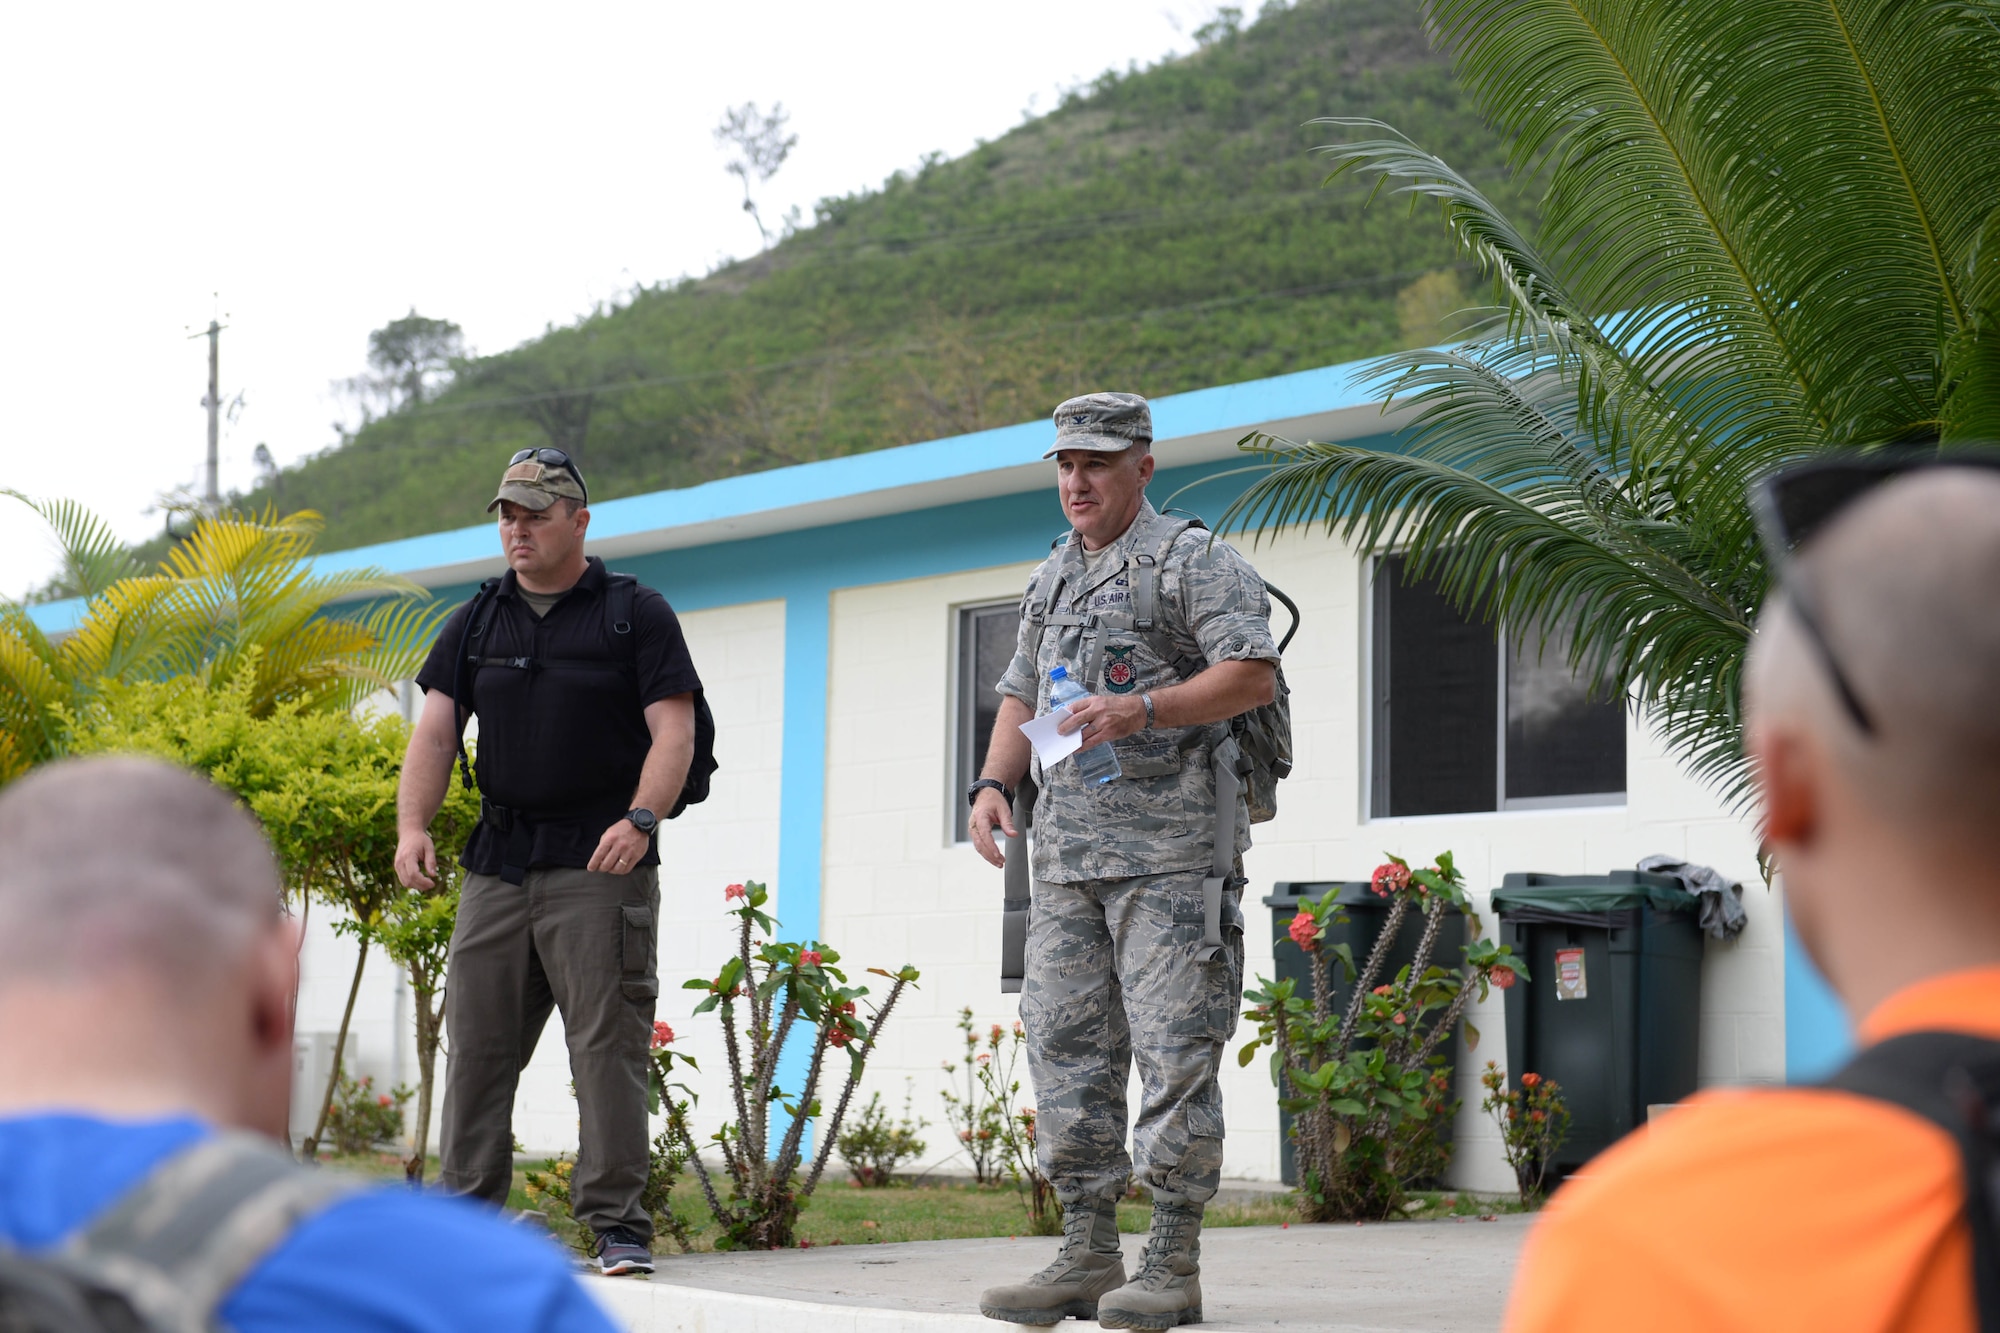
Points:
(1722, 914)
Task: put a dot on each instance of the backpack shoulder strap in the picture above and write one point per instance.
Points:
(1951, 1079)
(1036, 612)
(478, 615)
(1146, 619)
(621, 591)
(178, 1243)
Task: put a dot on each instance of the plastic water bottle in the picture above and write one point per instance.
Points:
(1097, 764)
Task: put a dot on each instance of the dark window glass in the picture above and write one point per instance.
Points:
(986, 637)
(1563, 737)
(1441, 683)
(1436, 686)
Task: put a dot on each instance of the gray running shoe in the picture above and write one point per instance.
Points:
(619, 1252)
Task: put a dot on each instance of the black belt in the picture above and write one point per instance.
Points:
(516, 830)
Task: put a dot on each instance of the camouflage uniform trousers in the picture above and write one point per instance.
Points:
(1112, 976)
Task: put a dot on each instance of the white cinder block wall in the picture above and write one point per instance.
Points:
(897, 889)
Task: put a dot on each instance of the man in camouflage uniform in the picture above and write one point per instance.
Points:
(1125, 958)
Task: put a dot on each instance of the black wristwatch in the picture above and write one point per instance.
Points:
(972, 792)
(643, 820)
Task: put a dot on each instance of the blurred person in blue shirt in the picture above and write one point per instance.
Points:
(147, 982)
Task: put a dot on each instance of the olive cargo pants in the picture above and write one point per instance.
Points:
(583, 943)
(1112, 977)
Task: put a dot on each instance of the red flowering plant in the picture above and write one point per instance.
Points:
(997, 1071)
(1368, 1089)
(1533, 1120)
(767, 994)
(976, 1117)
(361, 1117)
(660, 1081)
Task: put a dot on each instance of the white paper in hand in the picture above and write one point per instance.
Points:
(1051, 746)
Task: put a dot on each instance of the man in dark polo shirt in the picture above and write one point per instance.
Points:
(585, 697)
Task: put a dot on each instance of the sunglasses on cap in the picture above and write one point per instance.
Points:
(1798, 502)
(554, 458)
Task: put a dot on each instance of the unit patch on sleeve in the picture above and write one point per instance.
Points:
(1119, 674)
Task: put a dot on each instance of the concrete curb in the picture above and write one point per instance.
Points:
(662, 1307)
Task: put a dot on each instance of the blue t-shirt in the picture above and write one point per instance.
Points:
(387, 1259)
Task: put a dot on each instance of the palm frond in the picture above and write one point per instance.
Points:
(1970, 394)
(1698, 153)
(93, 558)
(403, 632)
(1761, 239)
(236, 607)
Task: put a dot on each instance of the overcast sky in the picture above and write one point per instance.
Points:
(311, 171)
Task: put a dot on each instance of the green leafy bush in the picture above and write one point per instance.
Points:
(361, 1117)
(877, 1145)
(323, 785)
(549, 1188)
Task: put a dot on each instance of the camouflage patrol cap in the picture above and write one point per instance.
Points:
(536, 485)
(1106, 422)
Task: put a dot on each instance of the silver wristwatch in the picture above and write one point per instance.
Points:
(1147, 700)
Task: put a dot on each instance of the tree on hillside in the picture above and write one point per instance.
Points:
(238, 594)
(409, 360)
(557, 392)
(1764, 238)
(759, 146)
(412, 354)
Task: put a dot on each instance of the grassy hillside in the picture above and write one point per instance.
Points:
(1162, 230)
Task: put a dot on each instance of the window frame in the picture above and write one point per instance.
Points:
(1374, 785)
(964, 662)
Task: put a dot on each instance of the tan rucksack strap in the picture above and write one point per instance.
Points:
(1016, 885)
(1222, 877)
(178, 1243)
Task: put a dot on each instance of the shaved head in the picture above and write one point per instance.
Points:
(126, 865)
(1882, 838)
(1908, 585)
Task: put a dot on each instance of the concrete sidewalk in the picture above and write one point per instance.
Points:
(1382, 1278)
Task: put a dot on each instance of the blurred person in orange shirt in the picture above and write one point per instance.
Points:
(1872, 705)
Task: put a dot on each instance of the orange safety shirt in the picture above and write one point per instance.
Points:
(1793, 1208)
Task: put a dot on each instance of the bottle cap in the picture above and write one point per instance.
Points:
(1058, 673)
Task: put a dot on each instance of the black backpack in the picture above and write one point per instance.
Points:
(1951, 1079)
(165, 1257)
(619, 593)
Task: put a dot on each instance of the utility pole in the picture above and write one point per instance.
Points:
(212, 491)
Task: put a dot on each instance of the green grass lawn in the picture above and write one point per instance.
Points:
(841, 1214)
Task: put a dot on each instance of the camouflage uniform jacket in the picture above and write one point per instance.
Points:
(1160, 816)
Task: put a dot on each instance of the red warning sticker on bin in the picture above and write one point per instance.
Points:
(1571, 984)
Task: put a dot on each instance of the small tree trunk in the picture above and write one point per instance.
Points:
(310, 1148)
(427, 1049)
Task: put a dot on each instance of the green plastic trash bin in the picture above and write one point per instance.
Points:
(1614, 1011)
(1366, 915)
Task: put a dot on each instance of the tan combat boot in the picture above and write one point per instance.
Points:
(1089, 1264)
(1167, 1291)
